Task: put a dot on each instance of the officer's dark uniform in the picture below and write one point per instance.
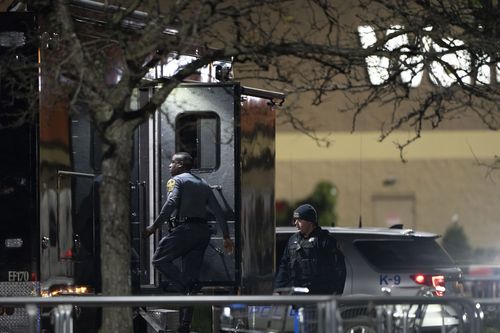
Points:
(314, 262)
(189, 200)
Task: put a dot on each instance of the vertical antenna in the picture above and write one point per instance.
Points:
(360, 221)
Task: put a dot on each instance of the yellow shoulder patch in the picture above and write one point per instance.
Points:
(170, 185)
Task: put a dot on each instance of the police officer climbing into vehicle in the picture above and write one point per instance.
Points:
(189, 200)
(312, 257)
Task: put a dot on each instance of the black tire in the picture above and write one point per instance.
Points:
(359, 325)
(358, 319)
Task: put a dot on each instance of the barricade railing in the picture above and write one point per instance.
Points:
(408, 314)
(392, 313)
(482, 286)
(491, 313)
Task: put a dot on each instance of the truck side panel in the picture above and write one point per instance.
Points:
(257, 175)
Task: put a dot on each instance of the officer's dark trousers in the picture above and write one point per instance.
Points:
(187, 241)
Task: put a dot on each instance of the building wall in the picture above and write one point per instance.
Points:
(442, 180)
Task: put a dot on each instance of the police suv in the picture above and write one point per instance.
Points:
(380, 261)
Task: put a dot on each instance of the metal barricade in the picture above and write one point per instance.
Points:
(491, 313)
(482, 283)
(61, 318)
(397, 314)
(482, 286)
(313, 313)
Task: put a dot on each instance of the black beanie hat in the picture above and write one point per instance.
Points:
(306, 212)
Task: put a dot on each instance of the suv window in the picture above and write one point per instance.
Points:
(403, 254)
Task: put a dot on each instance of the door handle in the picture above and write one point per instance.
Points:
(45, 242)
(77, 243)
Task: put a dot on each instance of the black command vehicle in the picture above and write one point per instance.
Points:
(50, 174)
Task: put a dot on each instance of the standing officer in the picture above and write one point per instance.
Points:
(312, 258)
(188, 201)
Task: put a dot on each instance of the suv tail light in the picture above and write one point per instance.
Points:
(435, 281)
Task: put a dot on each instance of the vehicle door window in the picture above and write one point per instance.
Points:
(390, 255)
(197, 133)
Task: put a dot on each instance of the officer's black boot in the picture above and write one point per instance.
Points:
(185, 317)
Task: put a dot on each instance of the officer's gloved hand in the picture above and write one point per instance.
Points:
(148, 231)
(228, 245)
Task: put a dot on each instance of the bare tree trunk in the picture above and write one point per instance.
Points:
(115, 227)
